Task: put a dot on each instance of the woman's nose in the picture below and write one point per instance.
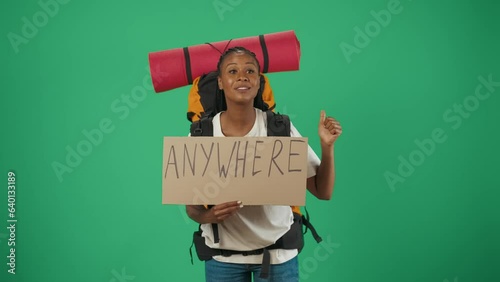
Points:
(242, 77)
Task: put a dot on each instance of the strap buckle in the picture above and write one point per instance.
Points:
(226, 253)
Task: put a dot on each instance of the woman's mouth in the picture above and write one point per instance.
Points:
(242, 89)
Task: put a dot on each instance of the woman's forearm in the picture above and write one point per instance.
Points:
(325, 175)
(197, 213)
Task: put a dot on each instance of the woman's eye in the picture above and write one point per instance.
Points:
(251, 71)
(232, 71)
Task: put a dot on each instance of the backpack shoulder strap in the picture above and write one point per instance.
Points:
(277, 124)
(202, 127)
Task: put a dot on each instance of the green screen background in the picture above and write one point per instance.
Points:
(105, 219)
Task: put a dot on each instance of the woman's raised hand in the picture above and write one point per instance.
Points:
(329, 129)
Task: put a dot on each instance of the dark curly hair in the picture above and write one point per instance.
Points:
(237, 49)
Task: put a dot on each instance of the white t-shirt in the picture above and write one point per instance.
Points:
(254, 227)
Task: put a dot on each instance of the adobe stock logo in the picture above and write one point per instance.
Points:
(323, 251)
(454, 117)
(372, 29)
(31, 26)
(222, 6)
(94, 137)
(121, 276)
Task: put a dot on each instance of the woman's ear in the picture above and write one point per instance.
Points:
(261, 77)
(219, 82)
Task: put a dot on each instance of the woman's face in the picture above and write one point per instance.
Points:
(239, 78)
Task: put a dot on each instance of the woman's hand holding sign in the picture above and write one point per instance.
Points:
(215, 214)
(220, 212)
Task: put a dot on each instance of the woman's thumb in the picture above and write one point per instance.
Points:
(322, 117)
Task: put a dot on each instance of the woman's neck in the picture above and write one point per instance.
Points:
(237, 121)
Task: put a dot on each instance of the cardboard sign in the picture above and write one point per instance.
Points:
(254, 170)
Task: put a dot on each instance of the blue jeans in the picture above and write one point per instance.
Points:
(216, 271)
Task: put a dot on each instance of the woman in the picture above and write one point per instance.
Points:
(255, 227)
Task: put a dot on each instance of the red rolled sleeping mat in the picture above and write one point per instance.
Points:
(178, 67)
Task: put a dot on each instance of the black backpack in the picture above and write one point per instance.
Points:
(213, 102)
